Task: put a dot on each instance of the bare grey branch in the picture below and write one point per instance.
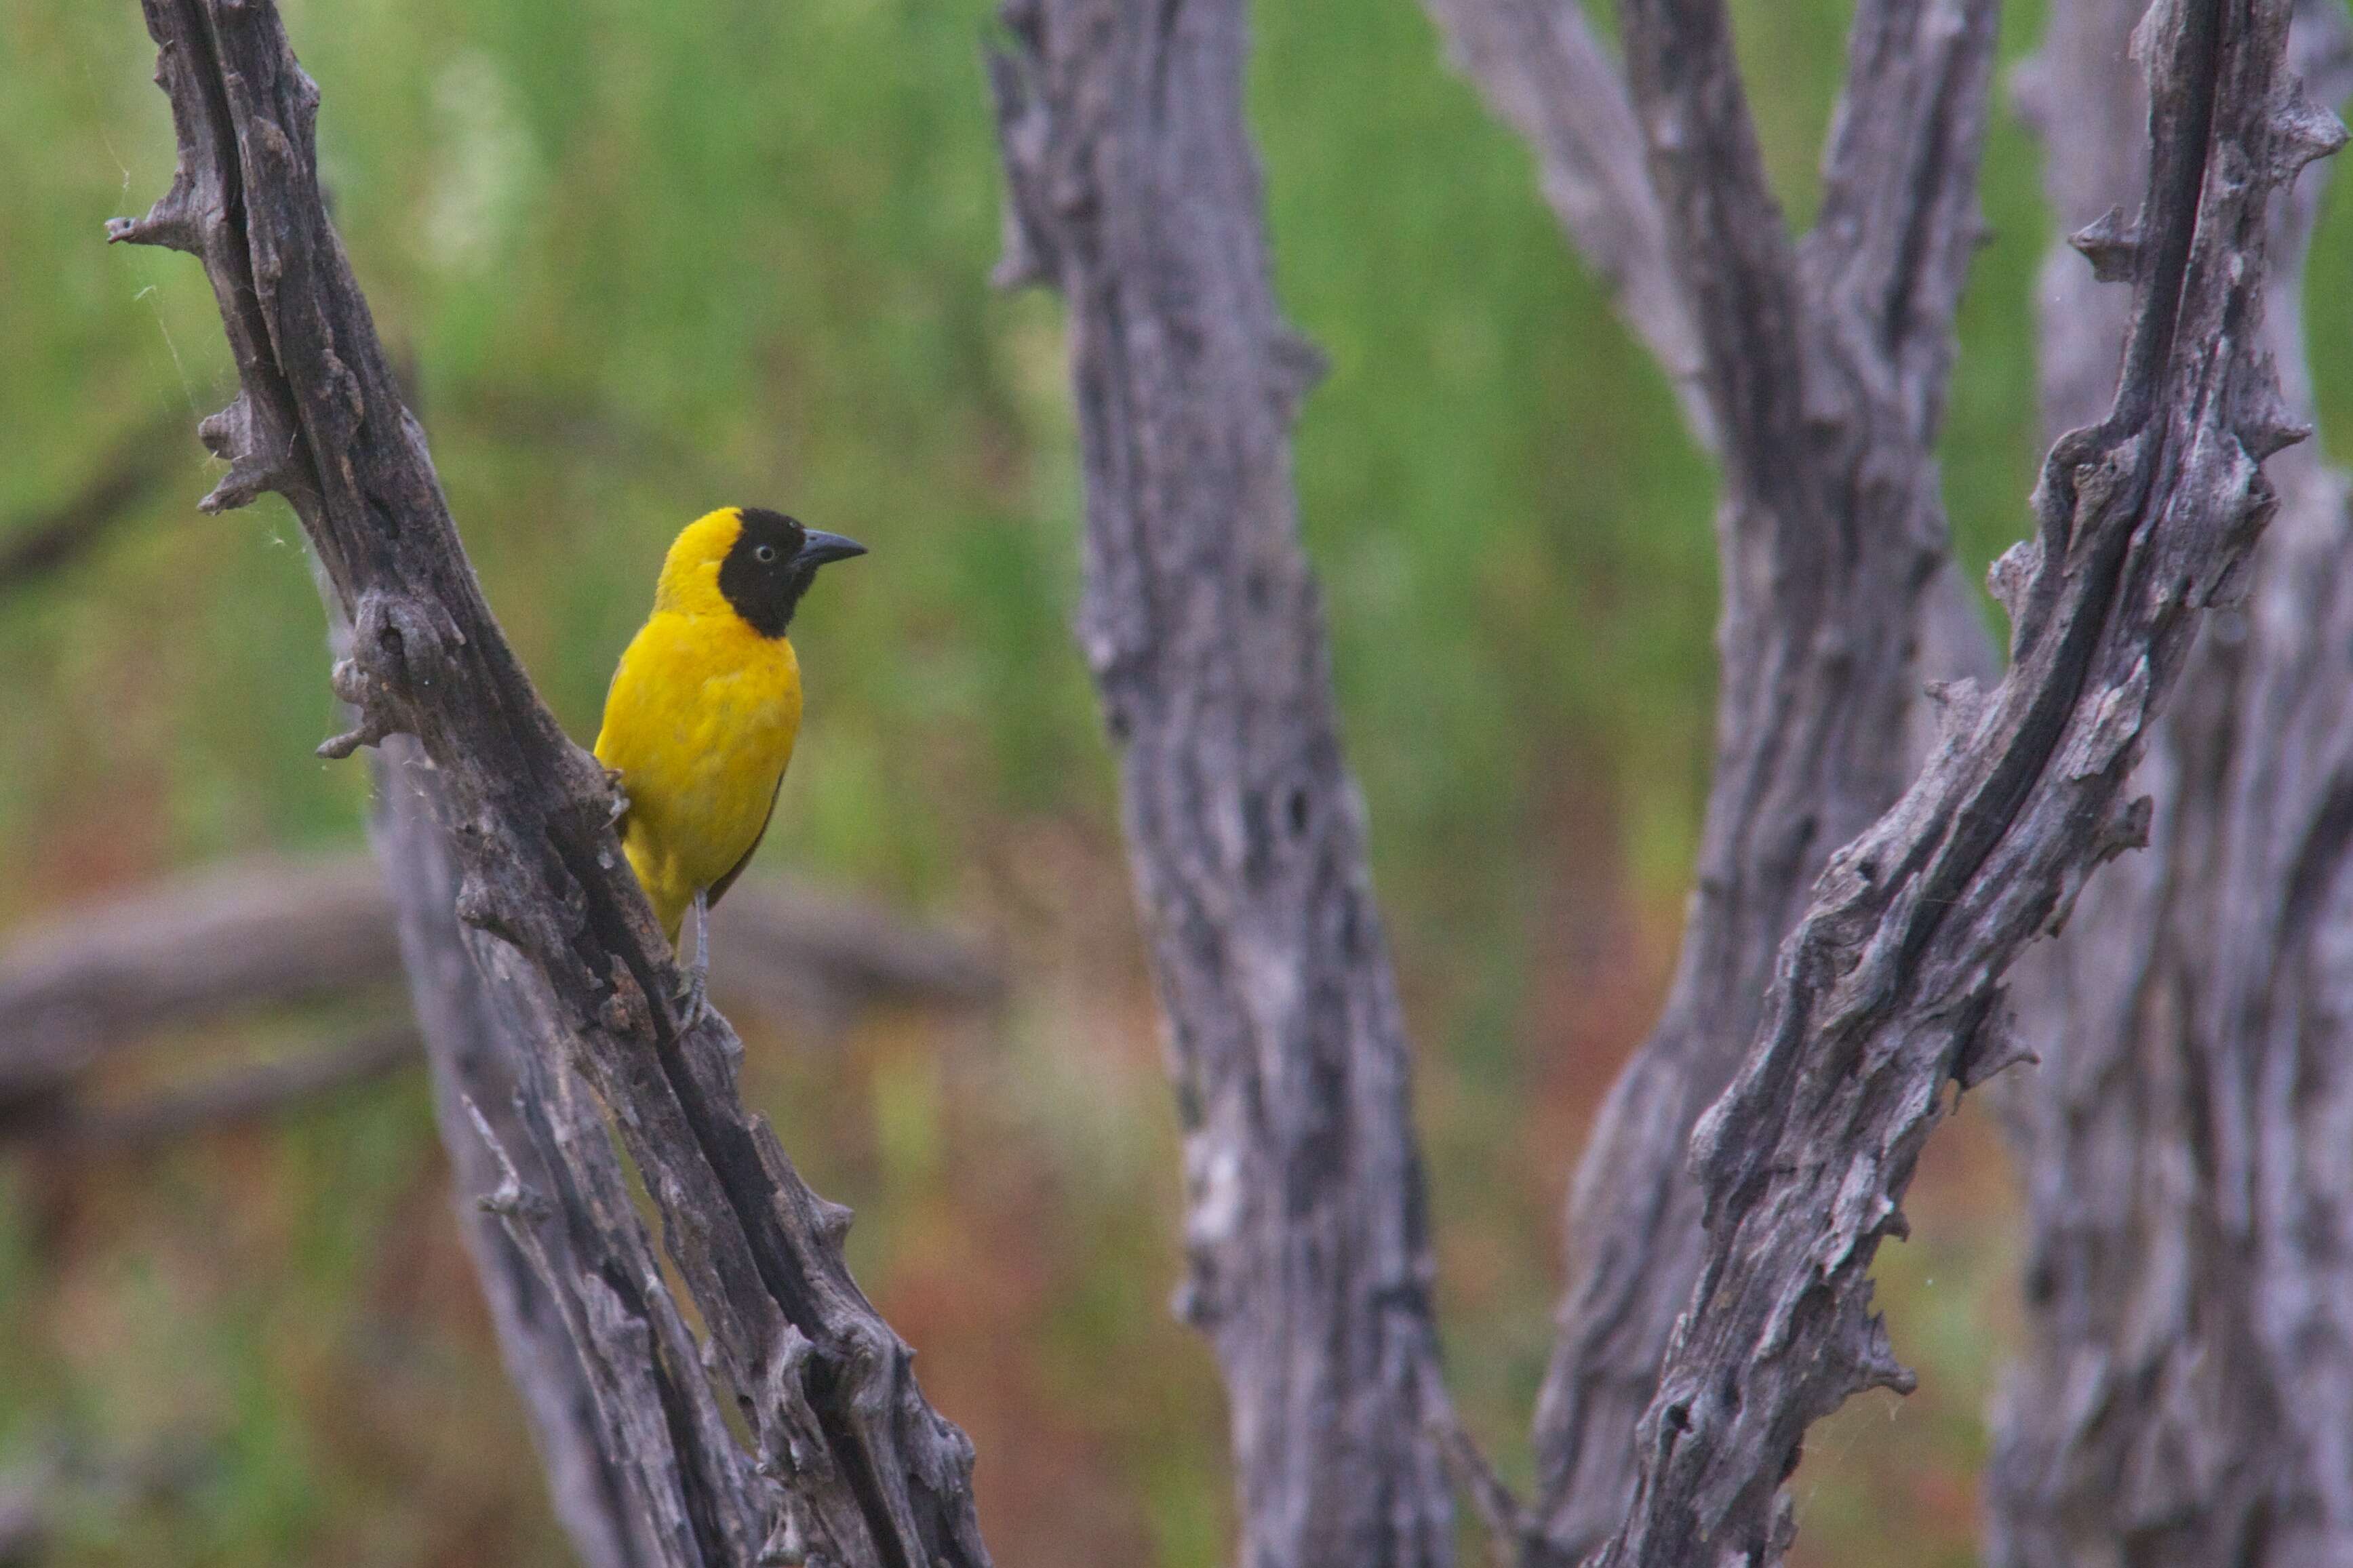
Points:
(1546, 76)
(2188, 1276)
(1825, 368)
(1132, 186)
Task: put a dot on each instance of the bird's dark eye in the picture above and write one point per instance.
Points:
(764, 553)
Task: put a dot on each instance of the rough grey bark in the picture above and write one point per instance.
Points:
(229, 1098)
(1134, 189)
(566, 949)
(1818, 372)
(628, 1491)
(1891, 983)
(2185, 1393)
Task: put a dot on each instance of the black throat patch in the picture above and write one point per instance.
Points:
(758, 579)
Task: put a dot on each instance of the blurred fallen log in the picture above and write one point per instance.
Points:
(787, 950)
(183, 953)
(225, 1097)
(253, 936)
(59, 1476)
(49, 539)
(24, 1522)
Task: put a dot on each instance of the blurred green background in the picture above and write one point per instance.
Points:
(648, 257)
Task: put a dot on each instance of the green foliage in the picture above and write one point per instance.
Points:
(647, 258)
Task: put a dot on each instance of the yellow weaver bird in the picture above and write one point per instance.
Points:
(703, 709)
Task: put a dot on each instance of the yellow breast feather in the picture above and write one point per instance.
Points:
(700, 724)
(706, 704)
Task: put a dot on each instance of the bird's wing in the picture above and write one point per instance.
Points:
(727, 881)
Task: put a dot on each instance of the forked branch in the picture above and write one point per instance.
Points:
(1817, 371)
(867, 1472)
(1891, 984)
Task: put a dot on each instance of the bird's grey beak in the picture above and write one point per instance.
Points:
(821, 547)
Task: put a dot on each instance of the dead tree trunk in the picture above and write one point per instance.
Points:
(2186, 1393)
(566, 950)
(1134, 189)
(1819, 371)
(564, 1270)
(1891, 984)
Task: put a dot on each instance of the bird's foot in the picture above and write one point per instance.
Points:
(693, 999)
(694, 986)
(620, 797)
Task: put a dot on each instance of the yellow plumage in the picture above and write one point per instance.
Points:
(706, 702)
